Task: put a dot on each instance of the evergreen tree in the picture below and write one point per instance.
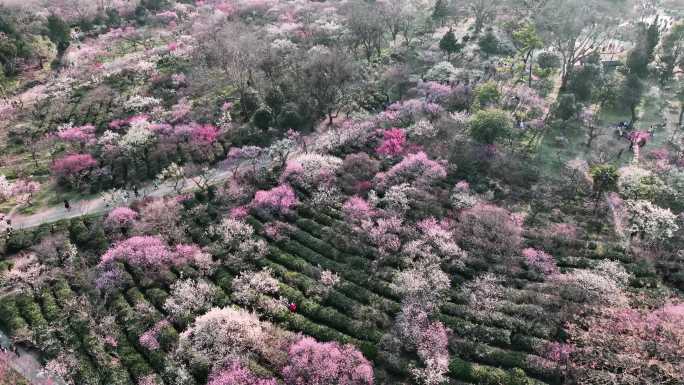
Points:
(58, 32)
(449, 44)
(440, 11)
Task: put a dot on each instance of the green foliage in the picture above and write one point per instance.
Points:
(490, 125)
(489, 44)
(262, 118)
(58, 32)
(449, 44)
(487, 94)
(585, 80)
(605, 177)
(548, 60)
(566, 106)
(630, 93)
(440, 11)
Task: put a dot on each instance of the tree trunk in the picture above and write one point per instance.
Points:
(529, 84)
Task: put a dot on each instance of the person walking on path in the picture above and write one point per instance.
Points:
(67, 206)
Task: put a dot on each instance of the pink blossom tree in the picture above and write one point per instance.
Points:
(356, 209)
(278, 200)
(120, 219)
(393, 142)
(162, 217)
(81, 136)
(540, 261)
(490, 230)
(315, 363)
(415, 169)
(73, 168)
(236, 374)
(635, 346)
(23, 191)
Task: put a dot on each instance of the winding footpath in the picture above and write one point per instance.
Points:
(100, 204)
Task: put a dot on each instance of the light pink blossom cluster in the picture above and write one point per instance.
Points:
(315, 363)
(148, 339)
(540, 261)
(356, 209)
(236, 374)
(280, 199)
(416, 169)
(120, 218)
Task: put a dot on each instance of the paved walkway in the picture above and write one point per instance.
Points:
(27, 365)
(100, 204)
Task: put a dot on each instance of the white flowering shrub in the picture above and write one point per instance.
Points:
(138, 103)
(422, 129)
(650, 221)
(638, 183)
(255, 289)
(189, 298)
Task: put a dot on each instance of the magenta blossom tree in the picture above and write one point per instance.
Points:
(314, 363)
(81, 136)
(393, 142)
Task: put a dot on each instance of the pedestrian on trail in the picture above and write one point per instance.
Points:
(67, 206)
(293, 307)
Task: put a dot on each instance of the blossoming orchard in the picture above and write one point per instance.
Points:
(341, 192)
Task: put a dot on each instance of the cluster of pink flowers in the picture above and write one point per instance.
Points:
(315, 363)
(540, 260)
(148, 339)
(236, 374)
(435, 92)
(393, 142)
(414, 168)
(559, 352)
(239, 212)
(145, 251)
(357, 209)
(277, 230)
(120, 218)
(82, 135)
(280, 199)
(73, 164)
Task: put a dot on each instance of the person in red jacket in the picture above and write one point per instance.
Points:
(293, 307)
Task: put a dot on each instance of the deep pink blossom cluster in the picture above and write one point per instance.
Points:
(393, 142)
(148, 339)
(81, 135)
(280, 199)
(73, 164)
